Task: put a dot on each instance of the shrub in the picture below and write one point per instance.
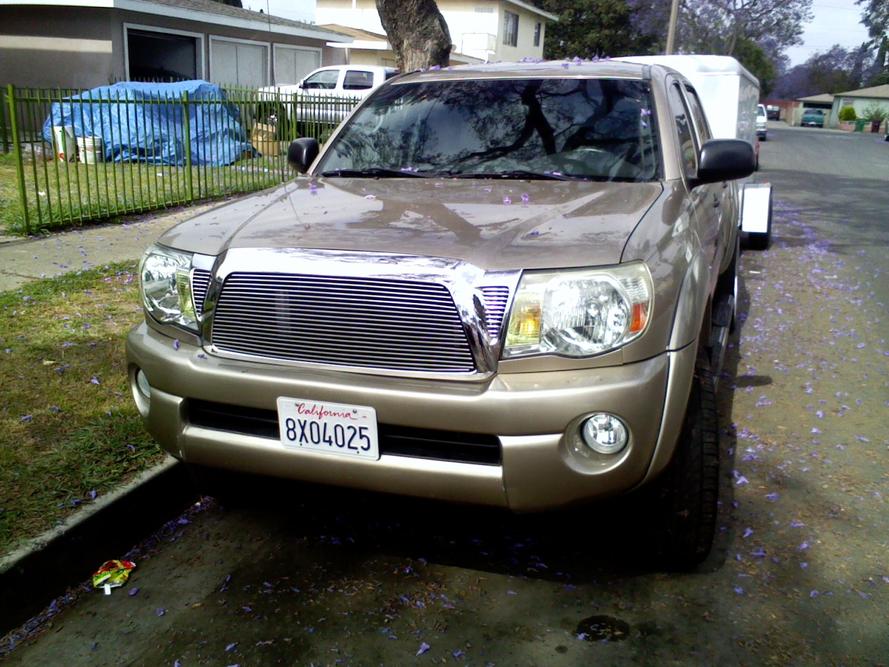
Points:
(875, 113)
(848, 113)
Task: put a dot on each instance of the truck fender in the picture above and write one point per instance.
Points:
(691, 305)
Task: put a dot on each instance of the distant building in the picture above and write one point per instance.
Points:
(371, 48)
(860, 100)
(488, 30)
(89, 43)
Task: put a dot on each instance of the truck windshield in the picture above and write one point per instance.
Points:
(586, 129)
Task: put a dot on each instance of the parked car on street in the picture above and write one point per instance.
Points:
(812, 118)
(773, 111)
(762, 131)
(508, 285)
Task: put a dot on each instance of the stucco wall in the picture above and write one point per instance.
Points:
(48, 47)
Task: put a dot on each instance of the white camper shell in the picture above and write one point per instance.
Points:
(729, 95)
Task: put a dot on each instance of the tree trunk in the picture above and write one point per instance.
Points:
(417, 32)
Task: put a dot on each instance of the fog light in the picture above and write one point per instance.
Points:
(604, 433)
(142, 383)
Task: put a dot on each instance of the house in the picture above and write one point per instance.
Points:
(89, 43)
(489, 30)
(861, 100)
(371, 48)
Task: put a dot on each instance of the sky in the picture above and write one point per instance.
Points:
(835, 22)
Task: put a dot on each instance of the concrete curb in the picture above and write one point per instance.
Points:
(40, 570)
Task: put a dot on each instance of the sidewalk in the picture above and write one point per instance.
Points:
(26, 259)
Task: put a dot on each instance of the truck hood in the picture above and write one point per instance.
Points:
(492, 224)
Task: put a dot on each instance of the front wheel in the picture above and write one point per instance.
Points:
(686, 493)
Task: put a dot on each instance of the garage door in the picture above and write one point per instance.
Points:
(291, 64)
(238, 63)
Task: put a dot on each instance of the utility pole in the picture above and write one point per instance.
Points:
(671, 30)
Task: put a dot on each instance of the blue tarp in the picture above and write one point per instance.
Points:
(143, 122)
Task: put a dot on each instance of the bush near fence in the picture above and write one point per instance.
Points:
(52, 193)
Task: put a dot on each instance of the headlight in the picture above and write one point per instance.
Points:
(579, 313)
(166, 286)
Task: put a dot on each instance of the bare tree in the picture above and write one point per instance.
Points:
(417, 32)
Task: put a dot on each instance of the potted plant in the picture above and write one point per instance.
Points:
(876, 115)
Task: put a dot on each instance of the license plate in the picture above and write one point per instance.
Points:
(332, 428)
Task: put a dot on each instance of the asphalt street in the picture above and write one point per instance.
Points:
(800, 574)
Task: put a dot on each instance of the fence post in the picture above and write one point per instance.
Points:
(187, 131)
(4, 134)
(17, 147)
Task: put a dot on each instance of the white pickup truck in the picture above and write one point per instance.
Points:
(328, 94)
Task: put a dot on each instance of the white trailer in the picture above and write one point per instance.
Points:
(729, 95)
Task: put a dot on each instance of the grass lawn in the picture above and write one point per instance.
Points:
(68, 426)
(63, 194)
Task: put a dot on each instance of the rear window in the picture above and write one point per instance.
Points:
(358, 80)
(597, 129)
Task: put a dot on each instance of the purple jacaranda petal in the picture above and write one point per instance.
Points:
(26, 419)
(814, 594)
(815, 430)
(93, 494)
(804, 565)
(370, 196)
(231, 647)
(739, 590)
(582, 636)
(741, 480)
(796, 523)
(424, 647)
(759, 552)
(176, 344)
(160, 611)
(525, 197)
(177, 663)
(457, 654)
(506, 200)
(862, 438)
(747, 532)
(95, 380)
(201, 355)
(803, 546)
(773, 496)
(133, 592)
(819, 414)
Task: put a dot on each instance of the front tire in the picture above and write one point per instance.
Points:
(687, 492)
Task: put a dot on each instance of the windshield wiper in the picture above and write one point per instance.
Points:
(373, 172)
(520, 174)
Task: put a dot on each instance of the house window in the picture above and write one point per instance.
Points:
(510, 29)
(537, 28)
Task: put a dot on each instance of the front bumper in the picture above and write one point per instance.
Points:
(535, 416)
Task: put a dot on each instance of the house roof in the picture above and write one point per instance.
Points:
(355, 33)
(876, 92)
(535, 10)
(204, 11)
(823, 98)
(374, 41)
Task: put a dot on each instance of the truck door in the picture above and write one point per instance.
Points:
(706, 200)
(727, 191)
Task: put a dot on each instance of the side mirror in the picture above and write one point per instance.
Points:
(724, 160)
(302, 153)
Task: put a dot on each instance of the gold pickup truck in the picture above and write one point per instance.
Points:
(505, 284)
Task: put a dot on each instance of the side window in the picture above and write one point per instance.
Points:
(324, 80)
(358, 80)
(697, 112)
(688, 151)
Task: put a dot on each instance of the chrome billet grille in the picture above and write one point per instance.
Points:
(200, 281)
(496, 298)
(365, 322)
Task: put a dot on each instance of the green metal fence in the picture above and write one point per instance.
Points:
(60, 185)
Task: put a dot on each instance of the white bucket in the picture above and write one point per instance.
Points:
(89, 150)
(63, 143)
